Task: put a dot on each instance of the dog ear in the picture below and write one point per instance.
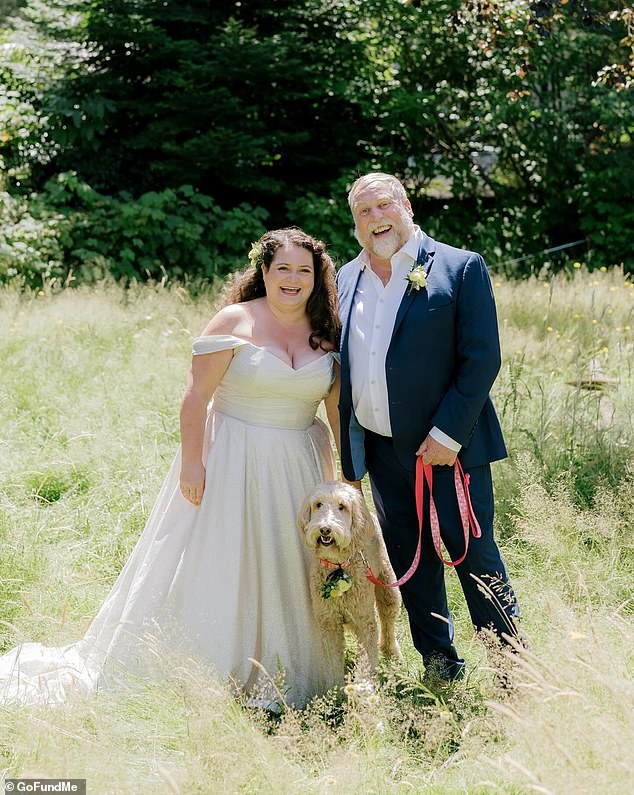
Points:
(304, 515)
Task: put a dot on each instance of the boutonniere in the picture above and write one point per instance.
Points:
(337, 583)
(417, 278)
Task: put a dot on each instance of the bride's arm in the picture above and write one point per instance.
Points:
(331, 402)
(206, 373)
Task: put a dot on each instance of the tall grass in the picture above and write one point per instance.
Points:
(559, 335)
(91, 380)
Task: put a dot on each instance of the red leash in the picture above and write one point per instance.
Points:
(425, 474)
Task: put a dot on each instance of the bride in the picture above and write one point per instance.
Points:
(219, 572)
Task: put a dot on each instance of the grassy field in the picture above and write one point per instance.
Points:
(89, 395)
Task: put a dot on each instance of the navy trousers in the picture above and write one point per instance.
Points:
(424, 595)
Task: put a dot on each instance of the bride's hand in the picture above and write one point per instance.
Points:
(192, 482)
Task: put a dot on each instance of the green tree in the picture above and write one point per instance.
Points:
(510, 122)
(34, 61)
(246, 100)
(498, 110)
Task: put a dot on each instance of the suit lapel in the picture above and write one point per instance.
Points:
(425, 257)
(346, 297)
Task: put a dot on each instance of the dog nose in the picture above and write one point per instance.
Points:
(324, 531)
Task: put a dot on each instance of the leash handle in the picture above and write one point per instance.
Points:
(467, 515)
(425, 475)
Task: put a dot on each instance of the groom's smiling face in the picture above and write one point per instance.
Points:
(383, 224)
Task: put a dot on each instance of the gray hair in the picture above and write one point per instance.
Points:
(388, 181)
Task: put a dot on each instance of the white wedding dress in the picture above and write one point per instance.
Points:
(225, 581)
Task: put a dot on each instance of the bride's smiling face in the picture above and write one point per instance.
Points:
(290, 278)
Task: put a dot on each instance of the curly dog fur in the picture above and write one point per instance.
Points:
(337, 526)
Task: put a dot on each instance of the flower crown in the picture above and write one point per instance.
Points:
(256, 254)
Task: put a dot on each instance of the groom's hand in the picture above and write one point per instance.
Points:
(435, 453)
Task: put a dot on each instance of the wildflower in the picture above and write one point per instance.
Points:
(361, 690)
(364, 687)
(576, 265)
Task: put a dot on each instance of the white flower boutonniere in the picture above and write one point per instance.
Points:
(417, 278)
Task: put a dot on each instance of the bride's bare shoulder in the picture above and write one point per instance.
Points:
(236, 319)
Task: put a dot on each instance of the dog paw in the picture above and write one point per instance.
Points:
(391, 650)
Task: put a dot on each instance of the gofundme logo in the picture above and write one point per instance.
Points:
(39, 785)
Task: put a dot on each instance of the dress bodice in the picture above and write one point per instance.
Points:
(261, 389)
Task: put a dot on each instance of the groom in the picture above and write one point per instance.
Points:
(419, 353)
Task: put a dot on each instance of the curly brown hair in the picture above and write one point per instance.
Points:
(322, 306)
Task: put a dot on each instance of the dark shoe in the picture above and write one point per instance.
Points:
(440, 667)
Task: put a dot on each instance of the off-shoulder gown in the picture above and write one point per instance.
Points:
(226, 581)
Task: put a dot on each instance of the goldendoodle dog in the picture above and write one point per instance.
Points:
(344, 537)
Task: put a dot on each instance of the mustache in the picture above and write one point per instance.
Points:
(380, 224)
(376, 226)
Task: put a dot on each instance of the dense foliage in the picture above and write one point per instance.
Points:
(71, 229)
(510, 122)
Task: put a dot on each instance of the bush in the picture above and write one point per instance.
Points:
(30, 240)
(176, 232)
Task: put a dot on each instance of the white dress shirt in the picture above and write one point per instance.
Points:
(372, 317)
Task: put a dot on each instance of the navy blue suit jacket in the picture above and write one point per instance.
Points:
(441, 363)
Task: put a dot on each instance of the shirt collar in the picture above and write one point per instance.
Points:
(408, 252)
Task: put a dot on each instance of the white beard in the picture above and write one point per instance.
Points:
(385, 247)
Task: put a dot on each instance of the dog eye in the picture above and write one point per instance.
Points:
(342, 507)
(318, 504)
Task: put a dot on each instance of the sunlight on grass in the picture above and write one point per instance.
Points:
(89, 409)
